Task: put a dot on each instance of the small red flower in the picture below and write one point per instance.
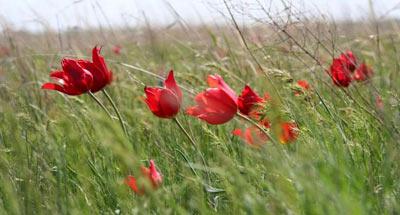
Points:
(340, 73)
(150, 173)
(117, 49)
(304, 85)
(247, 100)
(216, 105)
(289, 132)
(363, 72)
(164, 102)
(74, 79)
(252, 136)
(379, 102)
(153, 175)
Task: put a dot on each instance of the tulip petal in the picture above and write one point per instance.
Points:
(170, 83)
(216, 81)
(162, 102)
(247, 100)
(214, 106)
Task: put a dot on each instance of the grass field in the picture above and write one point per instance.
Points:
(62, 154)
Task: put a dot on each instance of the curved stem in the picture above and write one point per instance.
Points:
(193, 143)
(257, 125)
(185, 132)
(101, 104)
(116, 111)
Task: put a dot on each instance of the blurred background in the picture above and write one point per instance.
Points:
(37, 15)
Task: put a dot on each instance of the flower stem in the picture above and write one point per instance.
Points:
(194, 145)
(257, 125)
(101, 104)
(185, 132)
(116, 111)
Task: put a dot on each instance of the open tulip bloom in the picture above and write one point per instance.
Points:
(217, 104)
(164, 102)
(80, 76)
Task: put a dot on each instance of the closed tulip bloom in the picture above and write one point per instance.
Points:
(289, 132)
(164, 102)
(340, 73)
(74, 79)
(247, 100)
(363, 72)
(150, 174)
(153, 175)
(102, 76)
(216, 105)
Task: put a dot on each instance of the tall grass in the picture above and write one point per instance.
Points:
(61, 154)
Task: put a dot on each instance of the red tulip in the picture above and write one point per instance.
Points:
(340, 73)
(304, 85)
(252, 136)
(247, 100)
(164, 102)
(289, 132)
(362, 73)
(101, 75)
(379, 102)
(73, 79)
(349, 60)
(153, 175)
(216, 105)
(117, 49)
(150, 173)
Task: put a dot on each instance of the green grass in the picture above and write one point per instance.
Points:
(63, 155)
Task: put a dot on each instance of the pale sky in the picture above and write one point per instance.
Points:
(31, 14)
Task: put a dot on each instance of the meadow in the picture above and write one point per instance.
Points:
(63, 154)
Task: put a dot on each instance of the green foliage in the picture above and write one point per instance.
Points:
(61, 154)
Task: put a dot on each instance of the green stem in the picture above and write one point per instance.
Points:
(185, 132)
(99, 103)
(257, 125)
(194, 145)
(116, 111)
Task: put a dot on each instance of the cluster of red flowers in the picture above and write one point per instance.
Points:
(346, 69)
(216, 105)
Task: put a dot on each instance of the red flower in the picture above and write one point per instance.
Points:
(247, 100)
(101, 75)
(303, 84)
(340, 73)
(117, 49)
(252, 136)
(379, 102)
(216, 105)
(349, 60)
(150, 173)
(363, 72)
(289, 132)
(73, 79)
(164, 102)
